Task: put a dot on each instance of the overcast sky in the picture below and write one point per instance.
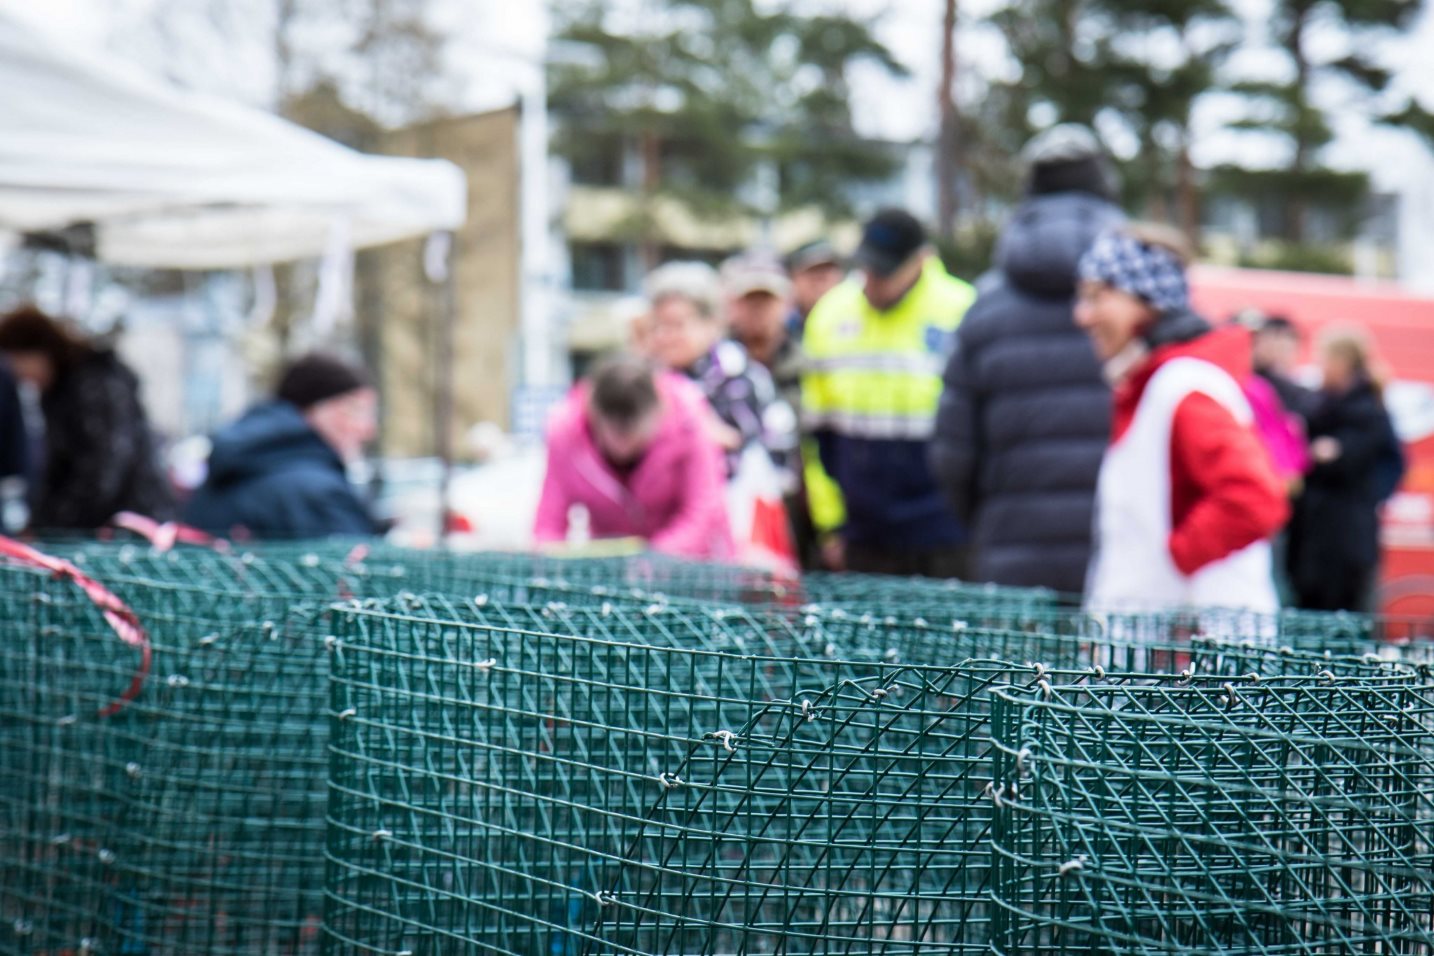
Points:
(492, 38)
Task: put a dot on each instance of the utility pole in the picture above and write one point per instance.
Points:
(948, 139)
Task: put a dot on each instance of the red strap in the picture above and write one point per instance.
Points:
(165, 536)
(122, 620)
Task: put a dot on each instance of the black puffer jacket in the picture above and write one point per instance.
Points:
(1025, 415)
(1334, 537)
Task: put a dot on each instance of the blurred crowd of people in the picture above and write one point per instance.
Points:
(1069, 422)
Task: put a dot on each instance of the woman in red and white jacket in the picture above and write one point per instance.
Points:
(1188, 497)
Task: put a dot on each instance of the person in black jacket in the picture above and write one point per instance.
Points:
(14, 438)
(1025, 414)
(279, 472)
(100, 455)
(1358, 462)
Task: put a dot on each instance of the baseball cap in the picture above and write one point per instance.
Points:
(889, 241)
(818, 252)
(755, 271)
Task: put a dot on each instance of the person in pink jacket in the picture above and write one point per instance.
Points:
(631, 447)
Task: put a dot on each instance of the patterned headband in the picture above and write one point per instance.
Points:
(1143, 270)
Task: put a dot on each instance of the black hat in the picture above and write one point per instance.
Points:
(317, 377)
(1068, 158)
(889, 241)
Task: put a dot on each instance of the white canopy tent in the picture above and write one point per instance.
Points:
(172, 179)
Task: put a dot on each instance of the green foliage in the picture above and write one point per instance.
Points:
(715, 91)
(1299, 257)
(971, 252)
(1337, 189)
(1289, 110)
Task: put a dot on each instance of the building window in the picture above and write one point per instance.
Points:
(597, 159)
(597, 266)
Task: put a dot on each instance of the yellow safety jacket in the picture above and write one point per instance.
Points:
(870, 393)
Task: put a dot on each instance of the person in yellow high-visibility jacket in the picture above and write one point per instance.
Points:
(876, 347)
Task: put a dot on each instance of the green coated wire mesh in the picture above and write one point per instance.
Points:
(1274, 817)
(187, 821)
(212, 815)
(566, 789)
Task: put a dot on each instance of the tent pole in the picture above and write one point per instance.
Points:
(443, 393)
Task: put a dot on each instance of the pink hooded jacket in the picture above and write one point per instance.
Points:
(1281, 432)
(673, 498)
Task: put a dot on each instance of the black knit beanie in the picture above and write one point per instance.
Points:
(1088, 174)
(316, 377)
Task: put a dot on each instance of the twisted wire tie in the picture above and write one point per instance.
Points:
(1098, 671)
(725, 738)
(23, 927)
(331, 642)
(1327, 676)
(481, 601)
(604, 898)
(208, 639)
(1073, 866)
(1187, 675)
(68, 719)
(1229, 698)
(1046, 688)
(106, 856)
(808, 713)
(380, 835)
(1040, 669)
(995, 792)
(670, 781)
(177, 680)
(878, 693)
(486, 665)
(348, 712)
(1021, 759)
(133, 769)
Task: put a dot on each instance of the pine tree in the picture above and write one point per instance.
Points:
(1292, 110)
(710, 92)
(1166, 57)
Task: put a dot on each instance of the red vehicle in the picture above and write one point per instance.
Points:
(1402, 326)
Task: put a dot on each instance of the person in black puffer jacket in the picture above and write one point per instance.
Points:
(1358, 463)
(1025, 415)
(100, 455)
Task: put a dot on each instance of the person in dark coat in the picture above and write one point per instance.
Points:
(14, 438)
(1025, 413)
(280, 471)
(1358, 462)
(100, 455)
(1277, 350)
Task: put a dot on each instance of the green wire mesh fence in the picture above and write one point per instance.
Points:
(570, 791)
(1255, 818)
(562, 797)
